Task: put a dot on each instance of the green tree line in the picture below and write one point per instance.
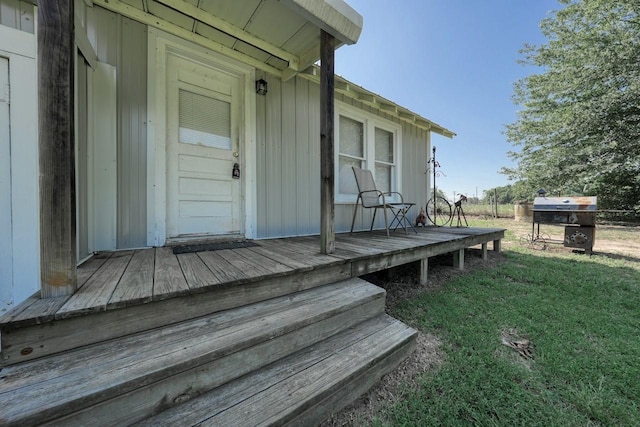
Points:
(577, 131)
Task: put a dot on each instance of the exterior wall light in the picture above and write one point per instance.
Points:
(261, 87)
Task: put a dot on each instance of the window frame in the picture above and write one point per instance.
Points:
(370, 123)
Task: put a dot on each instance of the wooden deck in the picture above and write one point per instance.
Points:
(115, 280)
(272, 332)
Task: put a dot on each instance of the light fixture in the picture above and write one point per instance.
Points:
(261, 87)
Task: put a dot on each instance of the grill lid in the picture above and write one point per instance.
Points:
(554, 204)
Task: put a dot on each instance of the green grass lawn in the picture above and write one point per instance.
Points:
(581, 315)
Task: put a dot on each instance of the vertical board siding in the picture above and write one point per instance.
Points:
(289, 175)
(302, 160)
(102, 30)
(311, 201)
(81, 159)
(18, 15)
(122, 43)
(288, 170)
(273, 159)
(261, 164)
(132, 135)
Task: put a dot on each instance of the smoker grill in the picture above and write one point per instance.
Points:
(579, 213)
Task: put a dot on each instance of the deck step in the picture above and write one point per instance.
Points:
(128, 379)
(304, 388)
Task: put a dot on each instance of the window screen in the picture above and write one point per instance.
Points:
(204, 120)
(351, 134)
(384, 159)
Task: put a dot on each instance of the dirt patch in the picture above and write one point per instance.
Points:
(402, 283)
(393, 386)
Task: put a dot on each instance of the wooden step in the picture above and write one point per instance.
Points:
(25, 336)
(127, 379)
(304, 388)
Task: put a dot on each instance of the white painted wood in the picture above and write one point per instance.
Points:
(202, 198)
(335, 17)
(161, 46)
(19, 196)
(6, 249)
(17, 41)
(102, 158)
(83, 43)
(370, 123)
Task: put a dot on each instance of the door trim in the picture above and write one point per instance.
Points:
(161, 45)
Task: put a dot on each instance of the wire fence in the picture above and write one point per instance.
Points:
(507, 211)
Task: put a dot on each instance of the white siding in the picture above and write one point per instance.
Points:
(19, 223)
(122, 43)
(288, 169)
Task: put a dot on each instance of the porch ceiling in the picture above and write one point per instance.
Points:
(278, 36)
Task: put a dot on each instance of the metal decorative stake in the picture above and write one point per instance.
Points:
(438, 208)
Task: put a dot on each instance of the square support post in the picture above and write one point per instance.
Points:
(56, 147)
(424, 267)
(327, 83)
(485, 254)
(496, 245)
(458, 259)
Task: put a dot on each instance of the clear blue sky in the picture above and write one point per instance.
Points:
(453, 62)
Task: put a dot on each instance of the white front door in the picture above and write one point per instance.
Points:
(203, 122)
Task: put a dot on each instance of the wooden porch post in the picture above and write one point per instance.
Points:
(327, 229)
(56, 148)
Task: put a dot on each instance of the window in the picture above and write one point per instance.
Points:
(368, 142)
(204, 120)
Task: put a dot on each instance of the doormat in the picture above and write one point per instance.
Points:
(201, 247)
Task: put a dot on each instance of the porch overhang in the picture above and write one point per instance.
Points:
(281, 37)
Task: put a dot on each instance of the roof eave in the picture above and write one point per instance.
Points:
(333, 16)
(374, 100)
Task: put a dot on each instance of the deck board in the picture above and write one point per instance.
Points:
(126, 278)
(221, 268)
(268, 252)
(136, 284)
(196, 273)
(91, 266)
(97, 291)
(168, 277)
(252, 265)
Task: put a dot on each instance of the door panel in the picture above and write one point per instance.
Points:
(203, 115)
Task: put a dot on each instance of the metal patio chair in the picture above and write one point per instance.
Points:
(372, 198)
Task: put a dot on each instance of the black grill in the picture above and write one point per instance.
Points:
(579, 213)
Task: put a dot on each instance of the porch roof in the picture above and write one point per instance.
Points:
(281, 37)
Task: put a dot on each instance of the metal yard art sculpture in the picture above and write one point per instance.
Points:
(438, 207)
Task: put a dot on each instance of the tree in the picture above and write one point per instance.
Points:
(506, 195)
(578, 130)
